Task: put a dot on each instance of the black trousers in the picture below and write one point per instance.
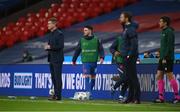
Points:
(56, 76)
(133, 82)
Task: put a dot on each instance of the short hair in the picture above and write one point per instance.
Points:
(127, 15)
(89, 27)
(166, 20)
(53, 20)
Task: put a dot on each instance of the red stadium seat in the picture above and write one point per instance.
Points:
(55, 7)
(80, 17)
(74, 6)
(11, 25)
(10, 41)
(22, 19)
(48, 15)
(101, 6)
(60, 22)
(1, 39)
(33, 31)
(95, 1)
(37, 25)
(84, 15)
(83, 6)
(59, 10)
(55, 14)
(67, 1)
(70, 12)
(71, 19)
(120, 3)
(31, 14)
(64, 6)
(16, 30)
(41, 31)
(75, 15)
(97, 10)
(27, 32)
(1, 43)
(18, 35)
(108, 7)
(43, 10)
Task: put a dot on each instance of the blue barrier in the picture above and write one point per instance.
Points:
(34, 80)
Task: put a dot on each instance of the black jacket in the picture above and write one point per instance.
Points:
(130, 41)
(56, 42)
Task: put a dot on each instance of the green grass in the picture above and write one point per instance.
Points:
(42, 104)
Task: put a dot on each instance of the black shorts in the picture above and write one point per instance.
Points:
(168, 67)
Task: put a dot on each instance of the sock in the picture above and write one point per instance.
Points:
(161, 88)
(87, 83)
(92, 83)
(123, 89)
(174, 86)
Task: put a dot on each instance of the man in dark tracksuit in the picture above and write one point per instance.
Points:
(55, 57)
(129, 51)
(119, 60)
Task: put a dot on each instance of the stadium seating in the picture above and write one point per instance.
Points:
(68, 12)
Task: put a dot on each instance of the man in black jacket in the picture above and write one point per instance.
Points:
(129, 51)
(55, 47)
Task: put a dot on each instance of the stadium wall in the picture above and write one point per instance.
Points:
(35, 80)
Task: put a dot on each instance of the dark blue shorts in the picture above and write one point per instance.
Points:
(89, 68)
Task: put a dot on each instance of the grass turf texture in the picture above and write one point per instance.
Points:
(42, 104)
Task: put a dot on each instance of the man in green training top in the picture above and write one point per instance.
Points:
(91, 49)
(119, 61)
(166, 60)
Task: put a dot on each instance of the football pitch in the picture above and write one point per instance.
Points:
(42, 104)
